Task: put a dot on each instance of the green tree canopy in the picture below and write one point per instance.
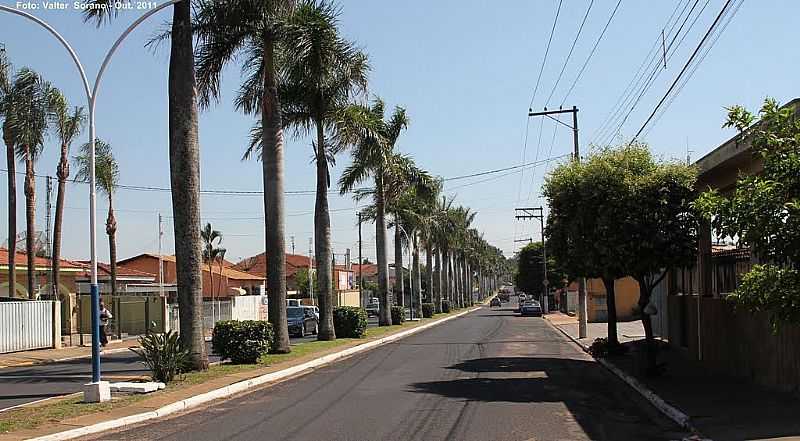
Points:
(529, 271)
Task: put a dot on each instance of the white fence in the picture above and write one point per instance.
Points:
(28, 325)
(237, 308)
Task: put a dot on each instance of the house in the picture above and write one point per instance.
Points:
(626, 295)
(257, 265)
(699, 321)
(42, 268)
(218, 283)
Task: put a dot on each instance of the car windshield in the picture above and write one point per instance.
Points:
(294, 312)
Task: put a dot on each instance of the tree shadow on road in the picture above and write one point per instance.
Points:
(602, 405)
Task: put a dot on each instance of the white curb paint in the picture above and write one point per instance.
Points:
(241, 386)
(668, 410)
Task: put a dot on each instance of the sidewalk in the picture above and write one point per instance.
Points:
(719, 407)
(626, 331)
(44, 356)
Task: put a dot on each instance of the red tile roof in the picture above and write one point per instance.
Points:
(21, 260)
(229, 272)
(257, 265)
(105, 269)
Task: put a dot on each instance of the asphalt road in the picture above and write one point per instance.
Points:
(490, 375)
(27, 384)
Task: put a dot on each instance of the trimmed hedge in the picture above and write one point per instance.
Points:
(244, 342)
(398, 315)
(349, 321)
(445, 306)
(427, 310)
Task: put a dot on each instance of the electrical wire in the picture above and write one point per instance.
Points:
(569, 54)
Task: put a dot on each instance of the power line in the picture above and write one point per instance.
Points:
(591, 53)
(569, 54)
(710, 30)
(546, 51)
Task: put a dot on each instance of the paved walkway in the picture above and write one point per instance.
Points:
(44, 356)
(720, 407)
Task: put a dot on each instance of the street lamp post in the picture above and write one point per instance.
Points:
(97, 390)
(410, 270)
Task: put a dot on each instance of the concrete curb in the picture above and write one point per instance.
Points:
(241, 386)
(665, 408)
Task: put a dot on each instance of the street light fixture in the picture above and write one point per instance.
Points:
(97, 390)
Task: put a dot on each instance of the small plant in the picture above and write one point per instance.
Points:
(601, 348)
(243, 342)
(164, 355)
(445, 306)
(427, 310)
(398, 315)
(349, 321)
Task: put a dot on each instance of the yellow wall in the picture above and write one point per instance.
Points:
(626, 294)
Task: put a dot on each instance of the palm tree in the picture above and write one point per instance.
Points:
(68, 126)
(374, 139)
(107, 178)
(323, 73)
(7, 94)
(212, 252)
(184, 161)
(254, 28)
(28, 123)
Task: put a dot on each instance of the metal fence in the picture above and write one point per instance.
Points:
(26, 325)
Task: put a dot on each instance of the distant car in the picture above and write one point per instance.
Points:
(532, 308)
(302, 321)
(373, 306)
(293, 303)
(522, 297)
(495, 302)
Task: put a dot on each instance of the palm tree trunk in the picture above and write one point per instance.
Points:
(399, 283)
(429, 268)
(437, 292)
(184, 162)
(62, 174)
(111, 231)
(384, 311)
(417, 279)
(446, 275)
(30, 217)
(11, 164)
(322, 241)
(272, 172)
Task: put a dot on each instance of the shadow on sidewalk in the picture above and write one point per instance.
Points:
(602, 405)
(720, 407)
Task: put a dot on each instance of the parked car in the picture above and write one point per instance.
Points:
(495, 302)
(302, 321)
(314, 310)
(532, 308)
(293, 303)
(373, 305)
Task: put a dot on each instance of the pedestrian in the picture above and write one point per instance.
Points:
(105, 316)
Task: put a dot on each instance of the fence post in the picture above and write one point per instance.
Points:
(56, 324)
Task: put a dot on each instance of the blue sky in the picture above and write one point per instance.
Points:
(465, 70)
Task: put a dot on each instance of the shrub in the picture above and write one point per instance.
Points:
(427, 310)
(600, 348)
(244, 342)
(445, 306)
(398, 315)
(164, 355)
(349, 321)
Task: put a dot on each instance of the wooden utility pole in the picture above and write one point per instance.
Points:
(576, 156)
(538, 213)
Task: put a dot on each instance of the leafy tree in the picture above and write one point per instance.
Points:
(184, 165)
(254, 30)
(529, 274)
(107, 180)
(764, 211)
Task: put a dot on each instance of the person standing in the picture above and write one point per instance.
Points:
(105, 316)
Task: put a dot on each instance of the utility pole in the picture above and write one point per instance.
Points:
(529, 240)
(360, 265)
(292, 239)
(575, 157)
(538, 213)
